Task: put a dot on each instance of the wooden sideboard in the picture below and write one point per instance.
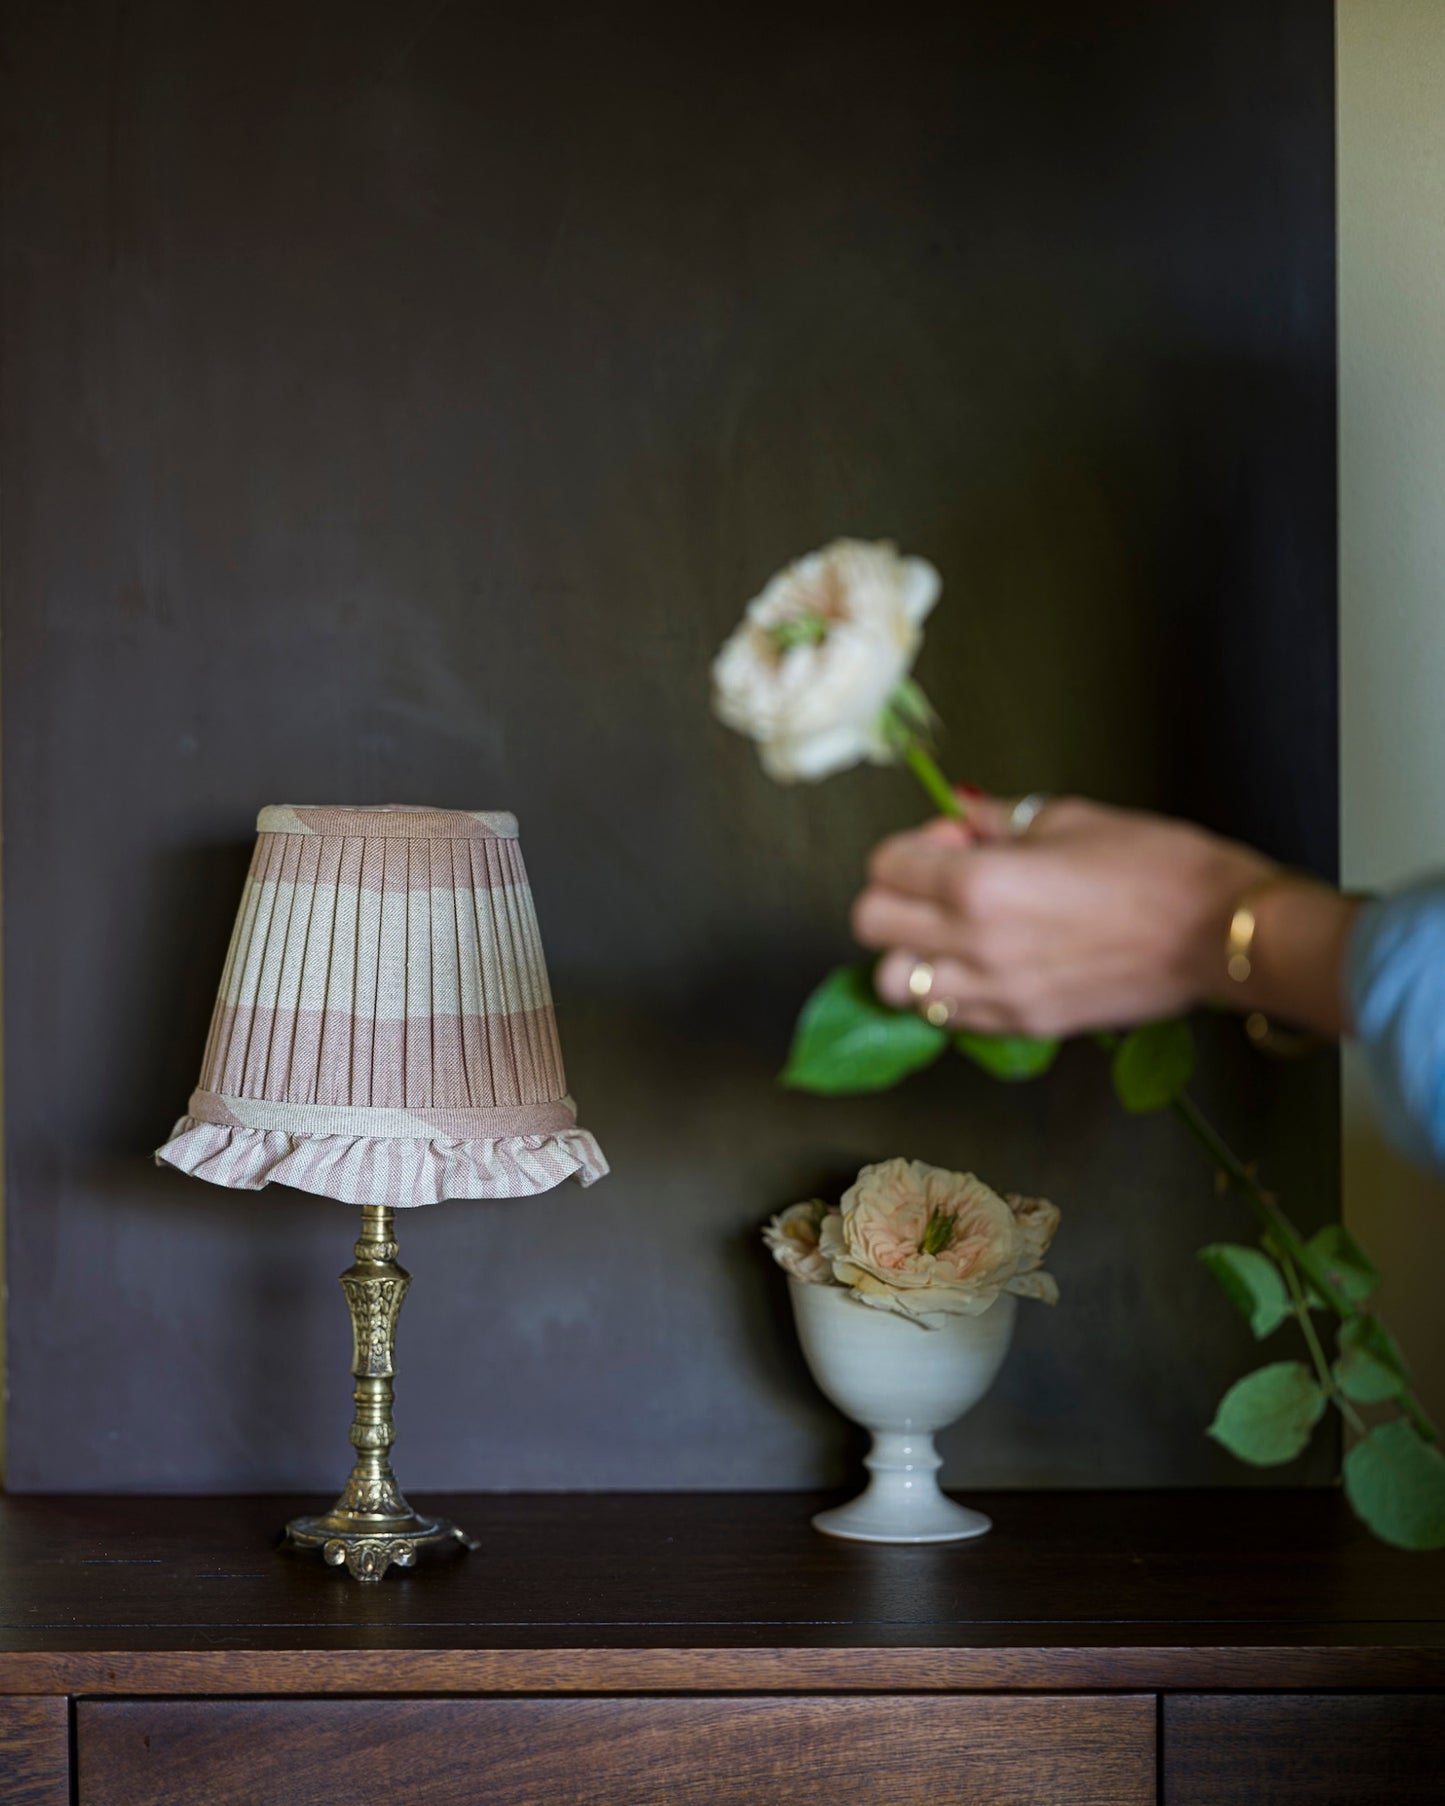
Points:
(1097, 1649)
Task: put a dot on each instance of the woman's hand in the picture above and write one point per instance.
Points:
(1096, 918)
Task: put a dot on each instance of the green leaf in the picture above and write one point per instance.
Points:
(1370, 1368)
(1252, 1280)
(1395, 1482)
(1346, 1264)
(1278, 1253)
(1152, 1065)
(1266, 1417)
(1009, 1056)
(848, 1041)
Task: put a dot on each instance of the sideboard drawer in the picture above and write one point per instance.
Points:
(1289, 1748)
(727, 1751)
(34, 1752)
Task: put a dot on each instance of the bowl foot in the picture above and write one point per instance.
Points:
(925, 1520)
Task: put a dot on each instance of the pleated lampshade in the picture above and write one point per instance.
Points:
(384, 1031)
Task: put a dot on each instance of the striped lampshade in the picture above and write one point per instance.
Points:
(384, 1030)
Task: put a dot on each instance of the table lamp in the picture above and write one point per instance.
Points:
(384, 1035)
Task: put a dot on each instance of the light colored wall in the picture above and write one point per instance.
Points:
(1392, 538)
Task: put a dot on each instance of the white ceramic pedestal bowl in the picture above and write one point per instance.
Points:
(902, 1382)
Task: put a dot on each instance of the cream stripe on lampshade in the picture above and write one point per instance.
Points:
(384, 1031)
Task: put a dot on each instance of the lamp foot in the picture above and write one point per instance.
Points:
(368, 1547)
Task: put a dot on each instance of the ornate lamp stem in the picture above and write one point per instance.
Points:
(375, 1288)
(371, 1525)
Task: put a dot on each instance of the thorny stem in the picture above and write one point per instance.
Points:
(1297, 1254)
(1268, 1211)
(1420, 1422)
(1317, 1353)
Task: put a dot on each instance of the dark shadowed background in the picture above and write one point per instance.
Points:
(400, 403)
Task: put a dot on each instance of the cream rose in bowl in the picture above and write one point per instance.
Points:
(920, 1240)
(820, 658)
(792, 1235)
(940, 1257)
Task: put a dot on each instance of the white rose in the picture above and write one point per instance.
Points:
(811, 670)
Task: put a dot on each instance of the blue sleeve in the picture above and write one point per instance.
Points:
(1395, 980)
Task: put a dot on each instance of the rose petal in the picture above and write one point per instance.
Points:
(1042, 1286)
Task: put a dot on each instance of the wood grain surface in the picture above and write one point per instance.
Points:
(34, 1752)
(400, 404)
(1341, 1751)
(689, 1593)
(628, 1752)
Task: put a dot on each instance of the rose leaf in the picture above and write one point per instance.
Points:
(1010, 1057)
(1252, 1282)
(848, 1041)
(1395, 1482)
(1349, 1268)
(1370, 1368)
(1152, 1065)
(1267, 1417)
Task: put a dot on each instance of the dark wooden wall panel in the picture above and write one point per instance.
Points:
(399, 404)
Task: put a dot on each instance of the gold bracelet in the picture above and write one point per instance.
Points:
(1239, 964)
(1239, 942)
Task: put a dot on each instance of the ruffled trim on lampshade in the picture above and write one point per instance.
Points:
(369, 1169)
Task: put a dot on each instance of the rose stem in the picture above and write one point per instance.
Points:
(925, 768)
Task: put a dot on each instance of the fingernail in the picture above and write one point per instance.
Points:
(971, 791)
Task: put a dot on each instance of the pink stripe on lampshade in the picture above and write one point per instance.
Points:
(385, 961)
(418, 1062)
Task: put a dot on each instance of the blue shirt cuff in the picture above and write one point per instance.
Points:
(1395, 983)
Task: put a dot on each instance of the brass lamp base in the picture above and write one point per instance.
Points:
(371, 1526)
(368, 1545)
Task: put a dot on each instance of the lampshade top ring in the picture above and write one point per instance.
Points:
(387, 821)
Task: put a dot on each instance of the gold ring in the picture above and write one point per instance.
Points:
(937, 1011)
(920, 980)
